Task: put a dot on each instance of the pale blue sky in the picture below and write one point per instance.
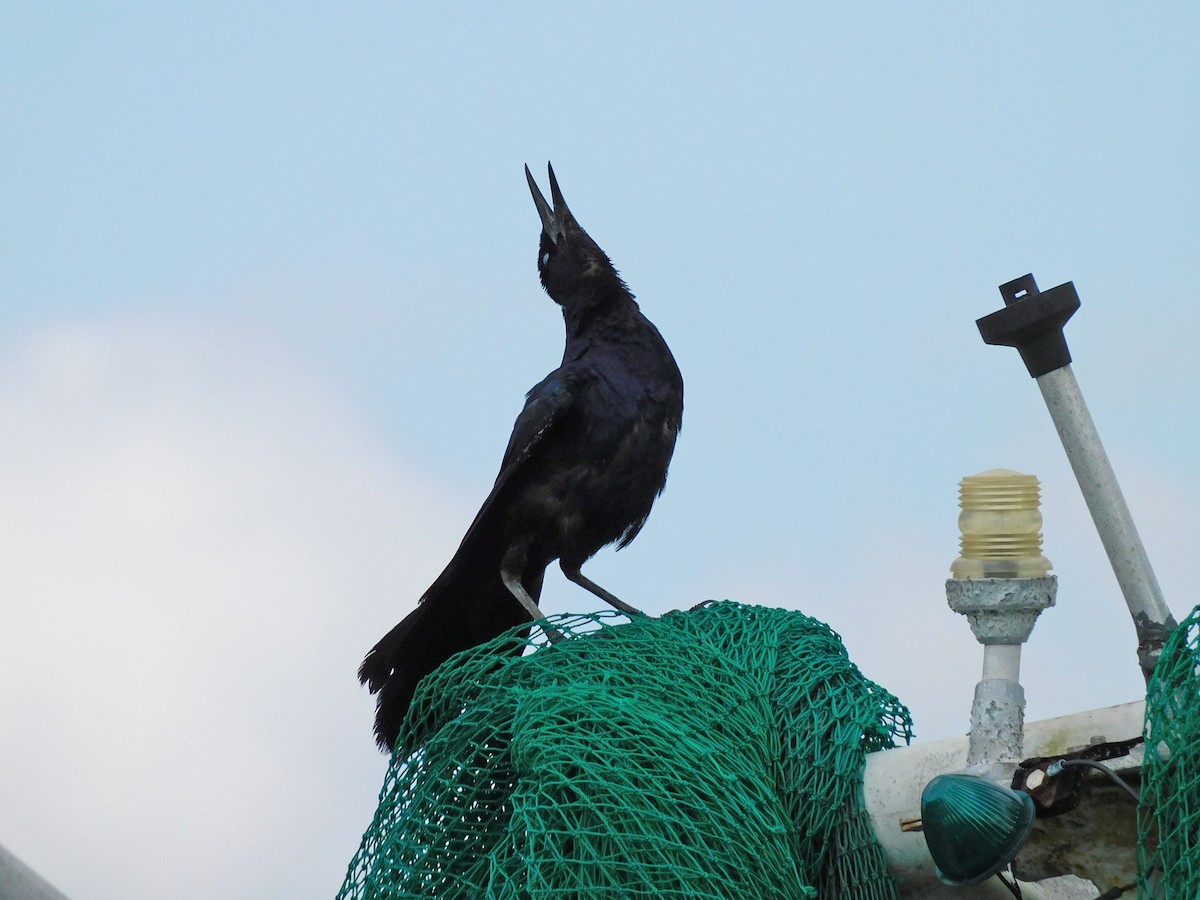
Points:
(269, 305)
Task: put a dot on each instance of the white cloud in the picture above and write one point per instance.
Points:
(197, 545)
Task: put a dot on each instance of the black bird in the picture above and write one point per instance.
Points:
(587, 457)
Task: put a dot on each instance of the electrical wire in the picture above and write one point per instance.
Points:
(1092, 764)
(1013, 887)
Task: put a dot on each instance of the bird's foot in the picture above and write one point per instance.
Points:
(573, 574)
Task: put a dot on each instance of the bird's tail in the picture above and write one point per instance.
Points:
(454, 615)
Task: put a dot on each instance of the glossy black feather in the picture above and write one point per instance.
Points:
(587, 457)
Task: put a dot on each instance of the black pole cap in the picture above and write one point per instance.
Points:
(1032, 321)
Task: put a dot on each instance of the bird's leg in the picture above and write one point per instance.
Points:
(571, 570)
(513, 583)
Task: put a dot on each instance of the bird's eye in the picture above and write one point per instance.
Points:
(545, 259)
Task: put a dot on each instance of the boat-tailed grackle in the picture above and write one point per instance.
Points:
(587, 458)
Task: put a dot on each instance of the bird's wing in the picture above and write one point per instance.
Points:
(545, 405)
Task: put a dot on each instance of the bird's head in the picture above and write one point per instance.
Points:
(570, 264)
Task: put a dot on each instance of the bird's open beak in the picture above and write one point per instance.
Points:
(553, 220)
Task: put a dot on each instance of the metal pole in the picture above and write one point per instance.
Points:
(1032, 321)
(1002, 613)
(1114, 523)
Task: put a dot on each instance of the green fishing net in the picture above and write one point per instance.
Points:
(716, 753)
(1169, 812)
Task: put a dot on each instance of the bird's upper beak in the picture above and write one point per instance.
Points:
(554, 220)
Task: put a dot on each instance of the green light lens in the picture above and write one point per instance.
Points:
(973, 827)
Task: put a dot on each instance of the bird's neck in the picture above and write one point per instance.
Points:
(592, 314)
